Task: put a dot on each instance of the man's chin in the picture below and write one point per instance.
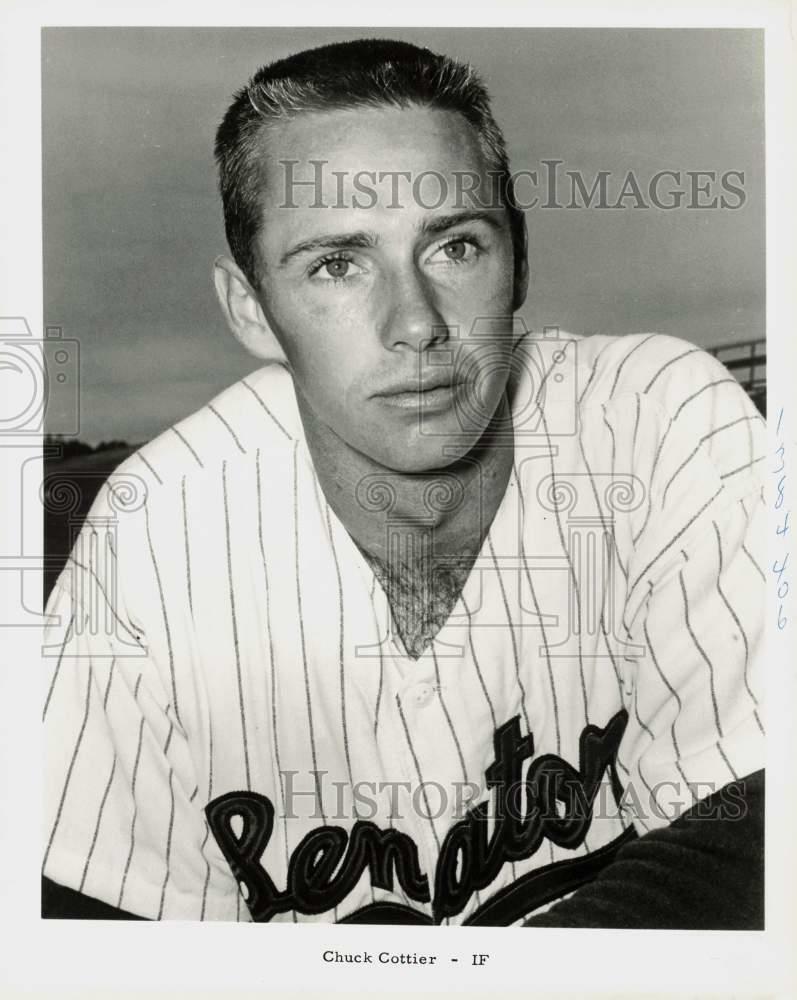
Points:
(423, 454)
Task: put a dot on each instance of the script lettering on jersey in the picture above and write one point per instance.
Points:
(554, 801)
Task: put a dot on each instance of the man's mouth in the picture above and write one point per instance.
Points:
(435, 392)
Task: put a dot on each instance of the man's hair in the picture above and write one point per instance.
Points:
(370, 72)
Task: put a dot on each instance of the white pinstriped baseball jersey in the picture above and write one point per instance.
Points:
(229, 721)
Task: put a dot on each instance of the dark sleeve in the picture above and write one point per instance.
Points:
(705, 871)
(60, 903)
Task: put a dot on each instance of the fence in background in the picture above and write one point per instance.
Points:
(747, 362)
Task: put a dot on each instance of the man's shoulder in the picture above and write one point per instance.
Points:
(663, 369)
(568, 372)
(254, 419)
(694, 414)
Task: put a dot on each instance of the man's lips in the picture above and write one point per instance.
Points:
(417, 386)
(433, 393)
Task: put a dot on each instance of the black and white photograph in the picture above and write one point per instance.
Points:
(408, 485)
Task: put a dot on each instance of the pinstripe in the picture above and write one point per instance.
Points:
(477, 666)
(168, 844)
(750, 447)
(421, 782)
(746, 551)
(308, 697)
(272, 669)
(666, 365)
(520, 684)
(674, 539)
(207, 873)
(741, 468)
(742, 632)
(674, 694)
(97, 825)
(591, 482)
(75, 751)
(210, 758)
(233, 435)
(609, 532)
(627, 356)
(699, 445)
(653, 467)
(593, 371)
(702, 653)
(207, 827)
(618, 678)
(453, 731)
(622, 766)
(260, 400)
(149, 466)
(168, 742)
(109, 604)
(647, 729)
(574, 581)
(342, 673)
(448, 715)
(187, 550)
(610, 429)
(163, 611)
(708, 385)
(614, 550)
(57, 670)
(727, 762)
(612, 657)
(135, 801)
(636, 425)
(381, 672)
(341, 670)
(621, 812)
(543, 632)
(194, 793)
(380, 683)
(108, 685)
(511, 630)
(234, 624)
(188, 446)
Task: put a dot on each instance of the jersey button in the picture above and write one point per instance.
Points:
(423, 694)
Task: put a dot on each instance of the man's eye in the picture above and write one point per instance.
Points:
(460, 251)
(456, 251)
(334, 269)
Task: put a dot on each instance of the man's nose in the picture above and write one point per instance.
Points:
(412, 319)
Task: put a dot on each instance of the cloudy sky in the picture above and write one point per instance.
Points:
(133, 222)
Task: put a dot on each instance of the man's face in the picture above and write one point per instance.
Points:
(374, 303)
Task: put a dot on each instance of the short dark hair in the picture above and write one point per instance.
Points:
(369, 72)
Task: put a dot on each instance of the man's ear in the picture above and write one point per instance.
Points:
(521, 282)
(243, 312)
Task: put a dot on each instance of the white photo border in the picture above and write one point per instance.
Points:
(49, 956)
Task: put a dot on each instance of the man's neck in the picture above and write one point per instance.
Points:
(455, 504)
(420, 532)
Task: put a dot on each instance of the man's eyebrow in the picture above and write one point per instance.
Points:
(329, 241)
(440, 223)
(364, 240)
